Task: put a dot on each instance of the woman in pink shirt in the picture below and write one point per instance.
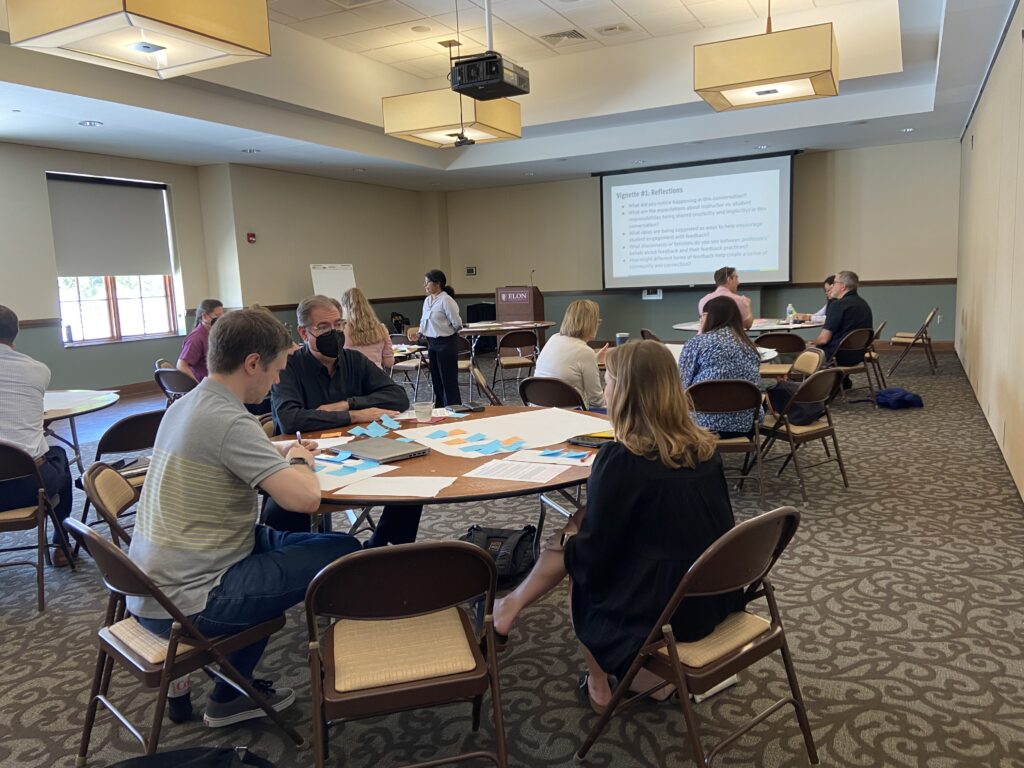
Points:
(364, 332)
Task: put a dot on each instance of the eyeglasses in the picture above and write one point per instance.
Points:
(322, 328)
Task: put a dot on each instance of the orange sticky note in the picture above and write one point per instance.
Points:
(454, 432)
(456, 441)
(511, 440)
(332, 434)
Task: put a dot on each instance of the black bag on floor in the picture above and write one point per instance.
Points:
(511, 548)
(198, 757)
(800, 414)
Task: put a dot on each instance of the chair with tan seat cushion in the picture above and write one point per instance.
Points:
(850, 356)
(517, 351)
(16, 464)
(920, 339)
(403, 640)
(124, 642)
(788, 345)
(739, 560)
(113, 496)
(808, 362)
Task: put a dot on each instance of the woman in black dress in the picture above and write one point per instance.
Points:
(656, 499)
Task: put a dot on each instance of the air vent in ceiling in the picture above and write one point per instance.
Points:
(563, 39)
(349, 5)
(613, 29)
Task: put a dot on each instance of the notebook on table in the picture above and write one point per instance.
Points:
(384, 449)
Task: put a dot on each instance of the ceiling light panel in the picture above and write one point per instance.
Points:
(337, 23)
(304, 9)
(721, 12)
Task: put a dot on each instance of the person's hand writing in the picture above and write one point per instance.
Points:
(301, 452)
(601, 354)
(366, 415)
(283, 448)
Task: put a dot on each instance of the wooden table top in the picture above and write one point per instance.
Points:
(464, 488)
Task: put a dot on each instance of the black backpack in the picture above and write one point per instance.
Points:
(399, 322)
(198, 757)
(512, 549)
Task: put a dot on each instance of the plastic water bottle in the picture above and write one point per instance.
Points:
(790, 313)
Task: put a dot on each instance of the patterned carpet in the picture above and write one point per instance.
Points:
(901, 595)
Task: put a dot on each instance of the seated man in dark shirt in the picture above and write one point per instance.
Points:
(325, 386)
(846, 312)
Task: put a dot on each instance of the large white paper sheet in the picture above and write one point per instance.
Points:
(535, 428)
(62, 401)
(416, 487)
(517, 471)
(332, 442)
(534, 457)
(331, 482)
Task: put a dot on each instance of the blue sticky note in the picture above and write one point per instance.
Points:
(552, 452)
(342, 471)
(476, 438)
(404, 439)
(437, 434)
(366, 464)
(388, 422)
(453, 415)
(489, 450)
(376, 430)
(577, 455)
(358, 431)
(515, 446)
(471, 448)
(335, 458)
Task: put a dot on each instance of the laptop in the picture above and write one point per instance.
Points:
(384, 449)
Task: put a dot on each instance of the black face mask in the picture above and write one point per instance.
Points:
(329, 344)
(212, 321)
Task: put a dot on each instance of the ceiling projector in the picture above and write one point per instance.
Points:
(488, 76)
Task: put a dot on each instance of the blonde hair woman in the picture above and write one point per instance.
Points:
(657, 498)
(364, 332)
(568, 357)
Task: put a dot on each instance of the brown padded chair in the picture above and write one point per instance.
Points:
(173, 383)
(465, 360)
(816, 391)
(267, 423)
(16, 464)
(808, 362)
(483, 386)
(517, 350)
(734, 396)
(856, 344)
(153, 660)
(112, 495)
(788, 345)
(390, 650)
(415, 363)
(739, 559)
(920, 339)
(871, 358)
(550, 393)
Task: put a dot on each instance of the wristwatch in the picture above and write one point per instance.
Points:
(296, 460)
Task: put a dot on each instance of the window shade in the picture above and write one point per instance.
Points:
(102, 228)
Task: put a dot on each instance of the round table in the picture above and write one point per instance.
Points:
(765, 353)
(762, 325)
(464, 489)
(59, 404)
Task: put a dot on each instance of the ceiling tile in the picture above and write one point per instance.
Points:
(393, 53)
(469, 18)
(589, 45)
(436, 7)
(668, 22)
(388, 13)
(279, 17)
(780, 7)
(342, 23)
(434, 29)
(368, 40)
(719, 12)
(619, 38)
(648, 7)
(304, 9)
(593, 13)
(467, 48)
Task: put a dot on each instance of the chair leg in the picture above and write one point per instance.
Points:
(90, 712)
(798, 704)
(477, 703)
(796, 465)
(617, 695)
(930, 351)
(85, 517)
(839, 459)
(41, 552)
(495, 683)
(760, 477)
(158, 715)
(319, 724)
(903, 354)
(62, 537)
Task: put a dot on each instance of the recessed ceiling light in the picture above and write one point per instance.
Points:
(762, 146)
(529, 173)
(906, 130)
(249, 151)
(90, 123)
(420, 28)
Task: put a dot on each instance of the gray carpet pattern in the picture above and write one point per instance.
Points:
(901, 598)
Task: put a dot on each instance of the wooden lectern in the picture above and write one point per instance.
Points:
(518, 302)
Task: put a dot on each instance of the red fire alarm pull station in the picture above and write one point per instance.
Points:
(250, 237)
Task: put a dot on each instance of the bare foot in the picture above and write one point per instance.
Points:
(504, 616)
(599, 689)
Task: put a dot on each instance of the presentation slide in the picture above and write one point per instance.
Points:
(675, 227)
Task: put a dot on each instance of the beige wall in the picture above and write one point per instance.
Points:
(225, 282)
(302, 220)
(888, 213)
(990, 310)
(27, 259)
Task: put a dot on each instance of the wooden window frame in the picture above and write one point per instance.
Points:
(110, 286)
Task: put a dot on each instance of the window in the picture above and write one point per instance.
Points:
(113, 308)
(112, 242)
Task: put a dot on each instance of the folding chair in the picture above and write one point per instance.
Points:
(162, 363)
(740, 559)
(788, 345)
(550, 393)
(853, 348)
(391, 650)
(483, 387)
(921, 339)
(16, 464)
(734, 396)
(173, 383)
(516, 350)
(871, 358)
(815, 392)
(112, 495)
(267, 422)
(648, 335)
(465, 361)
(416, 363)
(808, 362)
(153, 660)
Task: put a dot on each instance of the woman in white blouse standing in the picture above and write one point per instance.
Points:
(440, 326)
(568, 357)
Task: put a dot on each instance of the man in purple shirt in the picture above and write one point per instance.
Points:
(728, 281)
(192, 360)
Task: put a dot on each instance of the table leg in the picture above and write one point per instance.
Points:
(72, 443)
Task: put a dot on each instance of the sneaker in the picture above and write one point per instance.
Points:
(241, 708)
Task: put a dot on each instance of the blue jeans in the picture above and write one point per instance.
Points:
(397, 524)
(56, 474)
(261, 587)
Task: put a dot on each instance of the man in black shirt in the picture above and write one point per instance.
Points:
(846, 312)
(324, 386)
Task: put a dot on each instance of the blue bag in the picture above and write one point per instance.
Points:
(897, 397)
